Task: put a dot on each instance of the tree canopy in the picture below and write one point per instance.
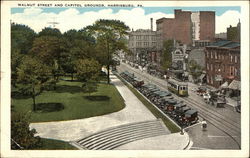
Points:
(109, 36)
(21, 38)
(33, 73)
(21, 135)
(168, 47)
(87, 69)
(47, 31)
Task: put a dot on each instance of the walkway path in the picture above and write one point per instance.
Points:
(134, 111)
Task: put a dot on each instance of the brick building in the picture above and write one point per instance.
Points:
(186, 27)
(207, 25)
(222, 62)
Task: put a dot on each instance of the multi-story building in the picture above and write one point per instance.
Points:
(222, 60)
(142, 43)
(233, 33)
(186, 27)
(221, 36)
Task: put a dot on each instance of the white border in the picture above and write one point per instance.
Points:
(5, 88)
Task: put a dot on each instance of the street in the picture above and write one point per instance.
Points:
(223, 131)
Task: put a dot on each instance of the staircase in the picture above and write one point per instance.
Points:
(114, 137)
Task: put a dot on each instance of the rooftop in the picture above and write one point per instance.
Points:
(225, 44)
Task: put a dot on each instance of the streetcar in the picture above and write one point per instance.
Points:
(178, 87)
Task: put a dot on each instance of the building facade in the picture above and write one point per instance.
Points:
(186, 27)
(142, 43)
(222, 60)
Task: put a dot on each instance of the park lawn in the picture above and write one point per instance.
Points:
(51, 144)
(77, 105)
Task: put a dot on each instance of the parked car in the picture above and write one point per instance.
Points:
(201, 90)
(206, 96)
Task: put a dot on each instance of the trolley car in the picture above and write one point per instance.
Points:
(178, 87)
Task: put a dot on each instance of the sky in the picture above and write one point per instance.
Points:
(135, 18)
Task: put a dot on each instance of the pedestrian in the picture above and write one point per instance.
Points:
(204, 124)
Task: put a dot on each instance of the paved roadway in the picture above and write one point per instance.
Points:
(223, 130)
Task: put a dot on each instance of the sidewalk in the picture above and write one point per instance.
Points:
(174, 141)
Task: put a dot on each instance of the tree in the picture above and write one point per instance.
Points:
(89, 87)
(21, 38)
(16, 59)
(109, 36)
(195, 69)
(52, 51)
(32, 73)
(21, 135)
(21, 42)
(81, 46)
(50, 32)
(168, 47)
(87, 69)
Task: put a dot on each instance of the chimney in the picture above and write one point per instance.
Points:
(151, 22)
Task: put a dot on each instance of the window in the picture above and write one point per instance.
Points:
(211, 55)
(235, 72)
(207, 79)
(207, 66)
(235, 59)
(212, 82)
(211, 67)
(215, 55)
(231, 58)
(231, 70)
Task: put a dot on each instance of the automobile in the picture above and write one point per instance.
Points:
(206, 96)
(190, 117)
(136, 66)
(201, 91)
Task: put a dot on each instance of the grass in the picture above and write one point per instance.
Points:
(68, 102)
(51, 144)
(172, 127)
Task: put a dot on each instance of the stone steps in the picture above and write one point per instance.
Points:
(116, 136)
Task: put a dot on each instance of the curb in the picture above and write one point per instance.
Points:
(189, 141)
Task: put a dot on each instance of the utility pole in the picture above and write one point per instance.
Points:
(54, 23)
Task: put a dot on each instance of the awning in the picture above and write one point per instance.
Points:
(224, 85)
(234, 85)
